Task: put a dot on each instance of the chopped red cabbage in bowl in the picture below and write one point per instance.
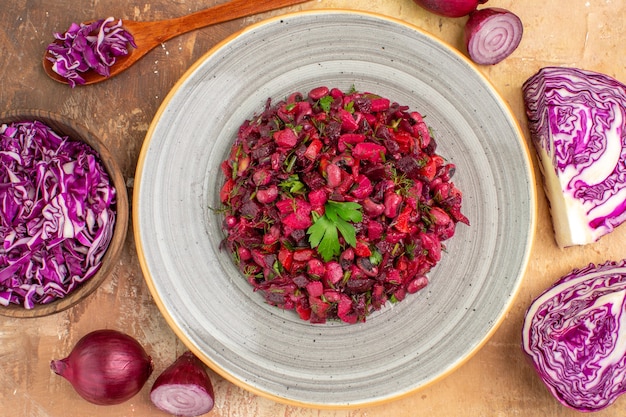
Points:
(59, 213)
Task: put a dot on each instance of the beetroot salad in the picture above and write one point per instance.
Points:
(336, 203)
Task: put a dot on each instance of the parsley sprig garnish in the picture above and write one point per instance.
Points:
(324, 233)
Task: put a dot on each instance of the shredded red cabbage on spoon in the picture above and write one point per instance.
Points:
(89, 47)
(56, 213)
(336, 203)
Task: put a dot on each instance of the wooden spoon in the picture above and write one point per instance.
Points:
(149, 35)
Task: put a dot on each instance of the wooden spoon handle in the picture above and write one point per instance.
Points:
(164, 30)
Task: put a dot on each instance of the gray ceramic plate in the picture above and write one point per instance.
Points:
(272, 352)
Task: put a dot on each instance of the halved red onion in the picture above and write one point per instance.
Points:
(184, 388)
(492, 34)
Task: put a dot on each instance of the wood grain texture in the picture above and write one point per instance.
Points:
(497, 381)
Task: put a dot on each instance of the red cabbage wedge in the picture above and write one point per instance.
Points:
(576, 120)
(574, 335)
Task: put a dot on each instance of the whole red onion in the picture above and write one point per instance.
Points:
(450, 8)
(105, 367)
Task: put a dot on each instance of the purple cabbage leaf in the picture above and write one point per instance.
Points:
(574, 335)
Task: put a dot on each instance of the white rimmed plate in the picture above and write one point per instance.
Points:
(271, 352)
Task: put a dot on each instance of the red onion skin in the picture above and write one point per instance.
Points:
(477, 21)
(450, 8)
(105, 367)
(186, 371)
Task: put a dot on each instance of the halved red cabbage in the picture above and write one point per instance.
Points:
(87, 47)
(56, 214)
(577, 121)
(574, 335)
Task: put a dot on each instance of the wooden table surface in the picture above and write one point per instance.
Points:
(497, 381)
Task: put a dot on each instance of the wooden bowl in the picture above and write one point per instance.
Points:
(67, 127)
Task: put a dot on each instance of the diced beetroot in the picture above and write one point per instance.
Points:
(393, 277)
(296, 212)
(285, 206)
(429, 170)
(319, 308)
(317, 198)
(394, 236)
(362, 249)
(303, 255)
(286, 138)
(315, 267)
(375, 230)
(298, 220)
(380, 104)
(379, 296)
(370, 118)
(400, 293)
(405, 141)
(285, 257)
(267, 195)
(332, 296)
(369, 151)
(356, 272)
(315, 289)
(363, 187)
(348, 124)
(301, 280)
(272, 235)
(334, 273)
(348, 140)
(276, 160)
(313, 149)
(403, 221)
(345, 310)
(303, 311)
(262, 177)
